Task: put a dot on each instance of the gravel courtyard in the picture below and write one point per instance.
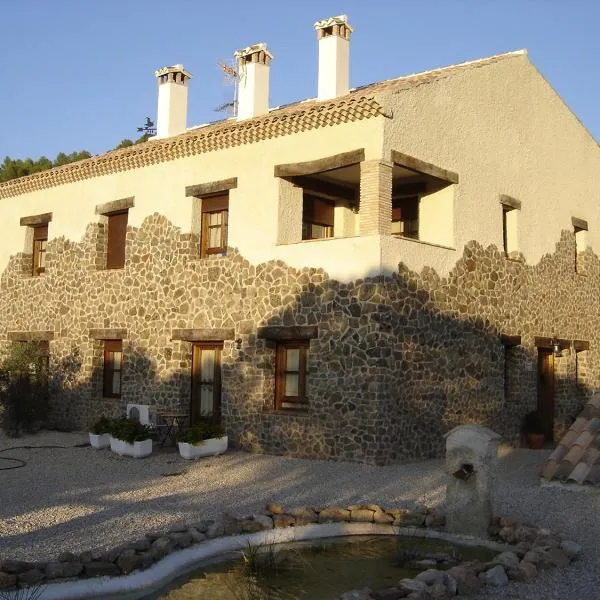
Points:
(78, 498)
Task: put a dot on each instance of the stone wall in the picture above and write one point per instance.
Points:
(397, 362)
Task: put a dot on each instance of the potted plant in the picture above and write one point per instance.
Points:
(130, 438)
(533, 429)
(205, 439)
(100, 433)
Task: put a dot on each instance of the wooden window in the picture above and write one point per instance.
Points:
(113, 364)
(117, 232)
(215, 217)
(40, 240)
(317, 218)
(405, 217)
(290, 375)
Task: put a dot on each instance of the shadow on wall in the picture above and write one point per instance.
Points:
(397, 362)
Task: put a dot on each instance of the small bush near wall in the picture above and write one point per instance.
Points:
(23, 388)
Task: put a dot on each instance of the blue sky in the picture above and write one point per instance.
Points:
(79, 74)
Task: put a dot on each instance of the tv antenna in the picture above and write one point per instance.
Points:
(148, 127)
(232, 78)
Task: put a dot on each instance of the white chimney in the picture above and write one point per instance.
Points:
(253, 92)
(334, 57)
(172, 100)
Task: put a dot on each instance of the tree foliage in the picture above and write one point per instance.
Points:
(11, 168)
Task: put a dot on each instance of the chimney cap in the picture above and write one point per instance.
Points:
(178, 68)
(334, 23)
(253, 49)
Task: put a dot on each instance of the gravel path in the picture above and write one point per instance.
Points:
(79, 498)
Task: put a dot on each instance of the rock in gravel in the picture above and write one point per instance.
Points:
(334, 514)
(17, 566)
(533, 556)
(553, 557)
(7, 580)
(250, 526)
(67, 557)
(430, 576)
(54, 570)
(392, 593)
(438, 591)
(524, 571)
(197, 537)
(202, 526)
(215, 530)
(412, 585)
(571, 549)
(141, 544)
(506, 559)
(231, 525)
(382, 517)
(265, 521)
(274, 508)
(147, 559)
(282, 520)
(129, 561)
(86, 557)
(466, 580)
(303, 515)
(101, 568)
(496, 577)
(181, 539)
(31, 577)
(161, 547)
(362, 515)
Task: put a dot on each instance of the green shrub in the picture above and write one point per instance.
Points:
(23, 388)
(129, 430)
(198, 433)
(102, 425)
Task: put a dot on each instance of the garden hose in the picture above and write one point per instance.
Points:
(21, 463)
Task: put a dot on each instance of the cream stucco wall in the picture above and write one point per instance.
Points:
(254, 221)
(504, 130)
(436, 216)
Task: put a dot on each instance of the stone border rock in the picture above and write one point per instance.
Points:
(523, 550)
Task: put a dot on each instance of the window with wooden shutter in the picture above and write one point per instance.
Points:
(215, 216)
(113, 363)
(117, 232)
(317, 218)
(405, 217)
(40, 240)
(290, 375)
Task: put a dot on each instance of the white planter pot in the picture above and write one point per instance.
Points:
(210, 447)
(137, 449)
(100, 441)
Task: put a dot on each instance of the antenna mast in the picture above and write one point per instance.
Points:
(232, 77)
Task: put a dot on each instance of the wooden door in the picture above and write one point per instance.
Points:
(206, 383)
(545, 374)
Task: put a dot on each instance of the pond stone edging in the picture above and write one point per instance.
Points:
(523, 549)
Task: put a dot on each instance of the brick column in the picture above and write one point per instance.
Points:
(375, 197)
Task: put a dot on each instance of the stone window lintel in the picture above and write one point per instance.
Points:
(211, 187)
(36, 220)
(202, 335)
(108, 334)
(115, 206)
(420, 166)
(510, 202)
(281, 334)
(30, 336)
(320, 165)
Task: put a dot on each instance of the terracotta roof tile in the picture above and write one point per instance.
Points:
(301, 116)
(577, 456)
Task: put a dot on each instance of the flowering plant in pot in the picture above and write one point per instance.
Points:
(205, 439)
(533, 429)
(100, 433)
(130, 438)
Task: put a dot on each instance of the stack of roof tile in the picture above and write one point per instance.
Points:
(576, 459)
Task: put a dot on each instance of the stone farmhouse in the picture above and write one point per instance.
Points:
(346, 277)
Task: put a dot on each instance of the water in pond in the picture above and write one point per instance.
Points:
(320, 570)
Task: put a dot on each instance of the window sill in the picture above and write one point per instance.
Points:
(331, 239)
(287, 413)
(414, 241)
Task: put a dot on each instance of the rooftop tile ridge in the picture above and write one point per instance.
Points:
(478, 62)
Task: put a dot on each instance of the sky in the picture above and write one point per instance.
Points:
(79, 74)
